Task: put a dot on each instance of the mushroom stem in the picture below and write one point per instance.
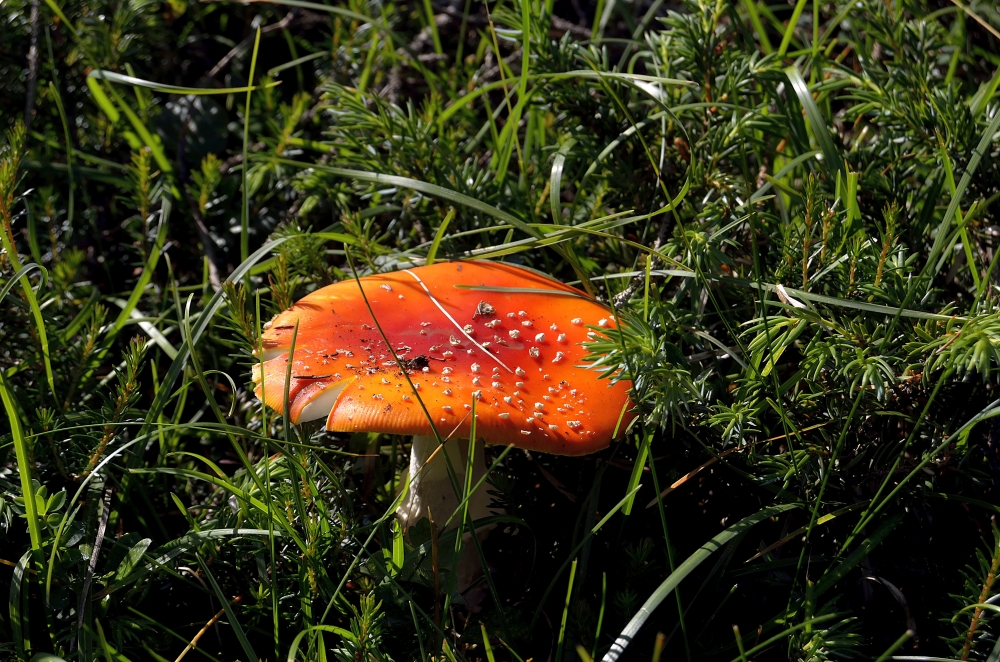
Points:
(432, 489)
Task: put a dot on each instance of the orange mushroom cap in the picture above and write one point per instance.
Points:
(517, 350)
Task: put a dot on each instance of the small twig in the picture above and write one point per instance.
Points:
(196, 575)
(978, 19)
(984, 594)
(495, 69)
(246, 43)
(552, 479)
(689, 475)
(237, 159)
(13, 564)
(622, 297)
(694, 472)
(431, 57)
(201, 632)
(638, 281)
(561, 26)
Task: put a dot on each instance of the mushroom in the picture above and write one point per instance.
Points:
(504, 336)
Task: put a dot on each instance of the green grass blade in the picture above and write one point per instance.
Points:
(244, 190)
(23, 272)
(640, 462)
(790, 30)
(173, 549)
(478, 486)
(903, 638)
(148, 269)
(36, 311)
(488, 577)
(762, 38)
(508, 136)
(970, 259)
(424, 187)
(202, 323)
(784, 635)
(987, 91)
(576, 550)
(67, 136)
(854, 558)
(112, 77)
(57, 10)
(956, 198)
(438, 236)
(274, 71)
(486, 643)
(111, 654)
(584, 74)
(432, 26)
(33, 246)
(154, 334)
(555, 181)
(739, 644)
(362, 19)
(995, 653)
(293, 650)
(463, 507)
(373, 51)
(818, 124)
(240, 494)
(853, 210)
(230, 614)
(600, 615)
(565, 614)
(17, 606)
(815, 298)
(417, 632)
(398, 554)
(145, 136)
(841, 303)
(622, 137)
(24, 464)
(683, 570)
(102, 100)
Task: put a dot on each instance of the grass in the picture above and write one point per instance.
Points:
(790, 207)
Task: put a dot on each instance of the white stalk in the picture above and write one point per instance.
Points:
(432, 489)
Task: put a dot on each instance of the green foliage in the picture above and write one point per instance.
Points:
(797, 245)
(972, 621)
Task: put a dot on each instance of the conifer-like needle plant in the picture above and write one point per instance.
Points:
(791, 211)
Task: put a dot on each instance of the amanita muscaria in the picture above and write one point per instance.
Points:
(504, 335)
